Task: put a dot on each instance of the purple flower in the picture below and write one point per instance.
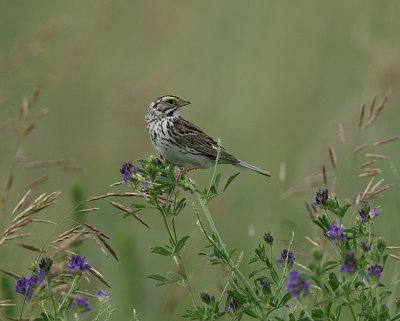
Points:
(286, 256)
(103, 296)
(233, 306)
(146, 185)
(335, 233)
(25, 286)
(321, 198)
(365, 246)
(375, 212)
(349, 263)
(78, 263)
(366, 213)
(297, 283)
(82, 304)
(127, 169)
(375, 271)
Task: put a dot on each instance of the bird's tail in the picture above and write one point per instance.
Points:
(253, 168)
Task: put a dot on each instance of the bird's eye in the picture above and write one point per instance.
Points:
(170, 101)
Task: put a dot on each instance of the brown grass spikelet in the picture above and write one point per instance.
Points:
(22, 202)
(386, 141)
(332, 155)
(376, 156)
(359, 148)
(99, 276)
(128, 211)
(360, 122)
(374, 113)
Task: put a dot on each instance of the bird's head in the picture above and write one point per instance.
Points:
(167, 105)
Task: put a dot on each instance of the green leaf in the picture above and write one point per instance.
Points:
(161, 250)
(161, 279)
(181, 243)
(329, 265)
(285, 299)
(333, 281)
(230, 180)
(256, 272)
(217, 180)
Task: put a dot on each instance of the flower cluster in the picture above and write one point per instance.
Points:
(375, 271)
(366, 213)
(78, 263)
(336, 233)
(321, 198)
(81, 304)
(26, 286)
(297, 284)
(127, 170)
(349, 263)
(286, 256)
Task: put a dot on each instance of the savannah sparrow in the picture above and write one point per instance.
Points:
(181, 142)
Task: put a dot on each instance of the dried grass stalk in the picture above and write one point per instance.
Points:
(128, 211)
(360, 123)
(37, 181)
(370, 172)
(31, 247)
(359, 148)
(127, 194)
(376, 156)
(366, 164)
(312, 241)
(10, 273)
(282, 171)
(324, 175)
(21, 203)
(85, 210)
(386, 140)
(374, 114)
(63, 164)
(99, 276)
(332, 155)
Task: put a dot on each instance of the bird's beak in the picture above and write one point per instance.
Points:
(182, 103)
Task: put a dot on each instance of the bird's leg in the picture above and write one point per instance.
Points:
(181, 171)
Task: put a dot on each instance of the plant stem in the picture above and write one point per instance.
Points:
(71, 289)
(52, 298)
(229, 262)
(180, 264)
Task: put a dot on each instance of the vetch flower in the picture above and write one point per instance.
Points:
(45, 264)
(265, 284)
(82, 304)
(297, 284)
(335, 233)
(233, 306)
(268, 238)
(25, 286)
(146, 185)
(365, 246)
(286, 256)
(127, 169)
(375, 212)
(103, 296)
(321, 198)
(366, 213)
(375, 271)
(78, 263)
(349, 263)
(205, 297)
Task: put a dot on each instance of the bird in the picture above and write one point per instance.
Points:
(183, 143)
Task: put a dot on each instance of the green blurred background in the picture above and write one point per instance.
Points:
(272, 79)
